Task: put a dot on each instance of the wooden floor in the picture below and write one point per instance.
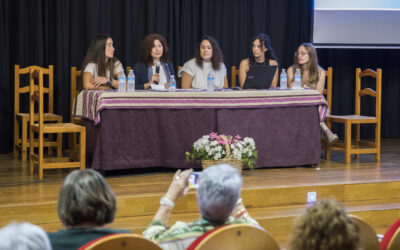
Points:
(273, 196)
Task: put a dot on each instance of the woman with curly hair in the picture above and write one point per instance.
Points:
(260, 53)
(324, 226)
(208, 57)
(154, 65)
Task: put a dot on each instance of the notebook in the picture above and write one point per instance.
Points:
(259, 77)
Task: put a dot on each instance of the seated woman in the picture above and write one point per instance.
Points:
(312, 76)
(100, 68)
(85, 204)
(325, 225)
(218, 201)
(154, 65)
(208, 57)
(260, 53)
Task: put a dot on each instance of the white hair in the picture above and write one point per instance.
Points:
(23, 236)
(219, 190)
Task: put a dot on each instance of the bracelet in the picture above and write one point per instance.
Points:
(167, 202)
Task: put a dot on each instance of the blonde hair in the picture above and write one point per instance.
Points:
(324, 226)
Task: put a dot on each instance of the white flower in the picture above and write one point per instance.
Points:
(214, 143)
(237, 154)
(249, 141)
(217, 156)
(207, 148)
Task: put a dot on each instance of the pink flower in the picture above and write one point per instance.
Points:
(213, 136)
(237, 137)
(221, 142)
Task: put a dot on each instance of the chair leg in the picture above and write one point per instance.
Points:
(82, 151)
(378, 142)
(31, 150)
(24, 140)
(59, 145)
(347, 142)
(41, 156)
(16, 137)
(357, 139)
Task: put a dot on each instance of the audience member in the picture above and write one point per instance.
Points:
(389, 234)
(208, 57)
(260, 53)
(100, 68)
(218, 201)
(23, 236)
(154, 65)
(324, 226)
(312, 76)
(85, 204)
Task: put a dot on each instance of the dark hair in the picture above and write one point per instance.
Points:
(217, 57)
(96, 54)
(265, 42)
(312, 64)
(85, 197)
(148, 44)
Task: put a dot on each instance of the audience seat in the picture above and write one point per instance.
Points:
(120, 242)
(368, 237)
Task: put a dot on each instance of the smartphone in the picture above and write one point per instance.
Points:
(193, 181)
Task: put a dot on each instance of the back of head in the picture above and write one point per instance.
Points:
(86, 198)
(324, 226)
(23, 236)
(219, 190)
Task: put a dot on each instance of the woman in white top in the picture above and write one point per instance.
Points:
(208, 56)
(100, 68)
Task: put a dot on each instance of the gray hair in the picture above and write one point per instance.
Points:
(219, 190)
(23, 236)
(86, 197)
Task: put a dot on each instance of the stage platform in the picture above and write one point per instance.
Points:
(274, 196)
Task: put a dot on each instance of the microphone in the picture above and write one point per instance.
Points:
(157, 68)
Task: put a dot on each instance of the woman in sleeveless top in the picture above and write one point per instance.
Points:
(153, 52)
(260, 53)
(312, 76)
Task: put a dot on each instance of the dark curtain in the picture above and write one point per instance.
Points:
(58, 32)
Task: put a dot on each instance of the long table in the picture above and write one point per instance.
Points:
(154, 129)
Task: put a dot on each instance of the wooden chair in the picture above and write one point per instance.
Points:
(76, 87)
(121, 241)
(357, 119)
(128, 68)
(394, 243)
(368, 238)
(21, 120)
(38, 126)
(328, 96)
(178, 79)
(234, 75)
(237, 237)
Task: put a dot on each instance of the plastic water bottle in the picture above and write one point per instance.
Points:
(172, 84)
(297, 79)
(122, 82)
(131, 81)
(210, 81)
(283, 84)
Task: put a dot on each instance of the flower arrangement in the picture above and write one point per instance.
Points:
(213, 147)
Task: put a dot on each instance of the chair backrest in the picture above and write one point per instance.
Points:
(76, 86)
(238, 236)
(18, 89)
(377, 94)
(394, 243)
(234, 76)
(128, 68)
(368, 237)
(121, 241)
(36, 95)
(178, 79)
(328, 87)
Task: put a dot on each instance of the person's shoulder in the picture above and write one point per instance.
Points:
(90, 67)
(245, 61)
(190, 62)
(139, 65)
(273, 62)
(290, 67)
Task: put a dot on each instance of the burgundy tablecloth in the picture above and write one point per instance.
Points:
(135, 138)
